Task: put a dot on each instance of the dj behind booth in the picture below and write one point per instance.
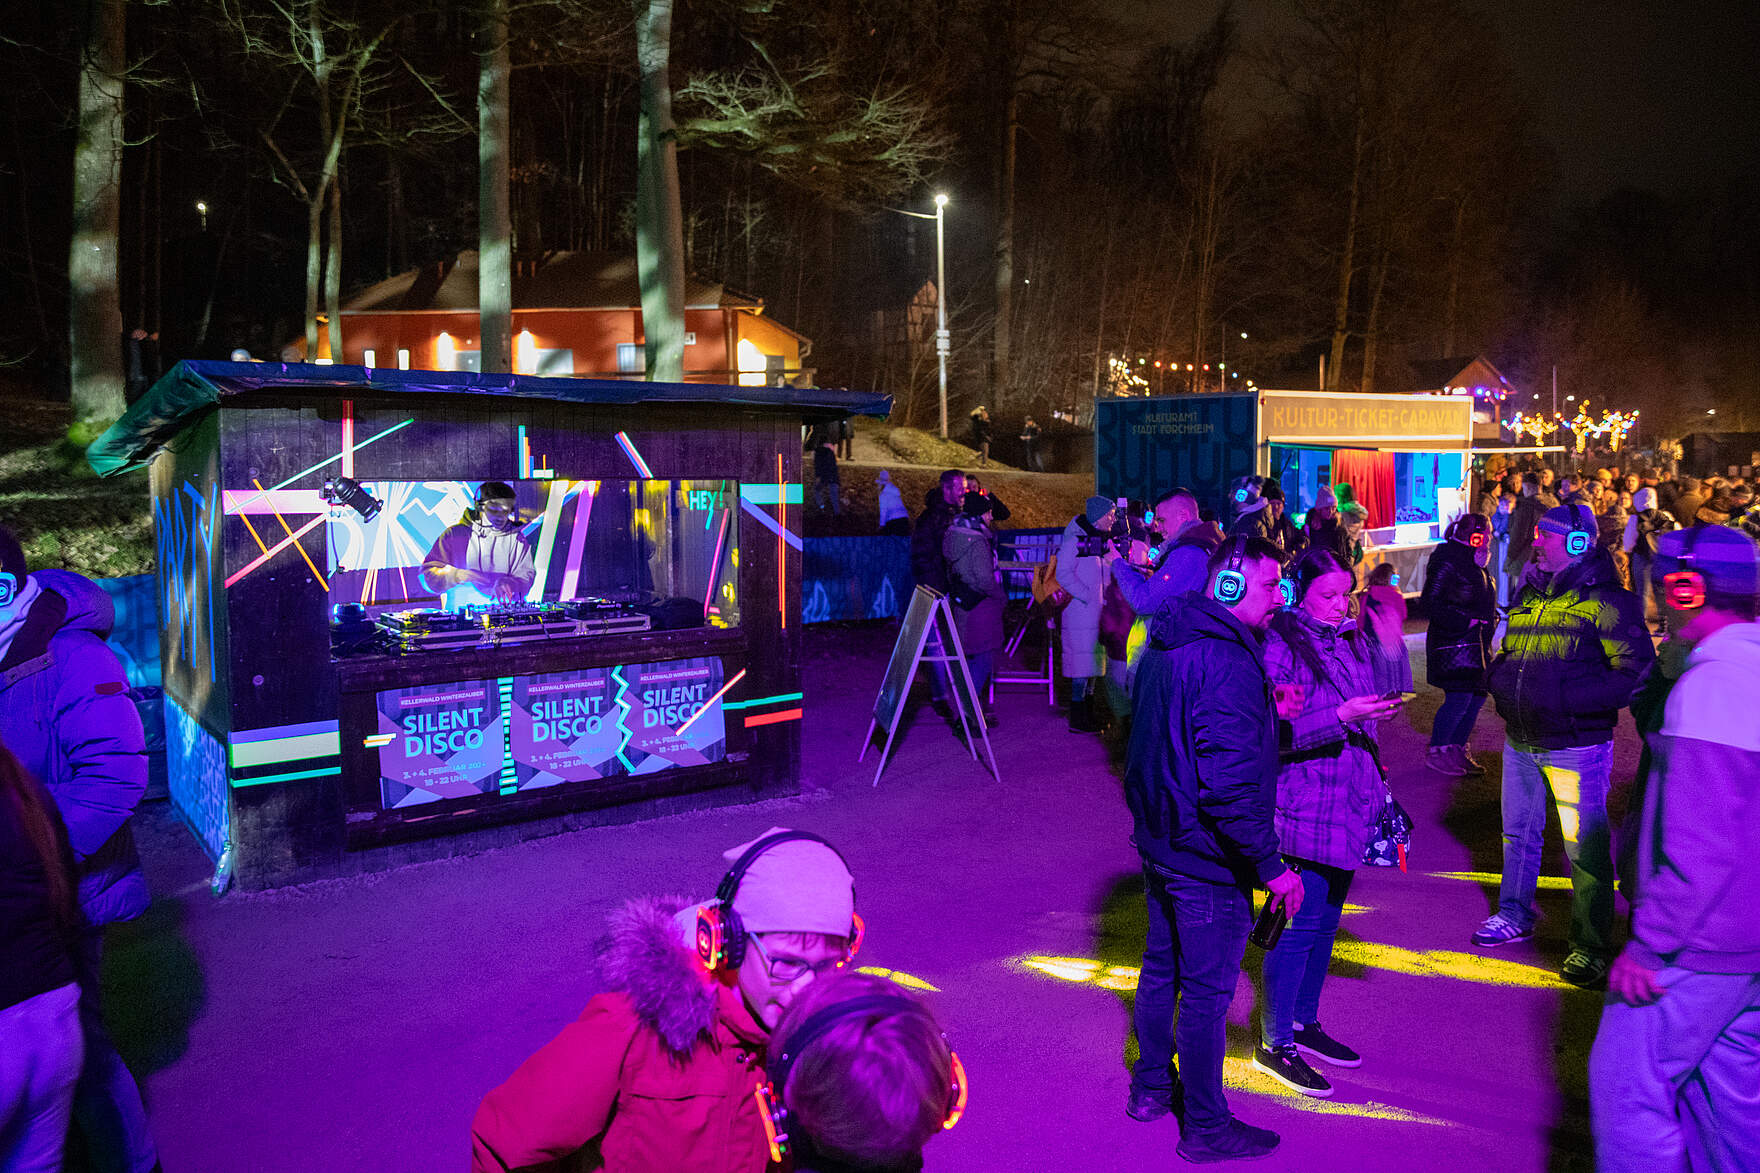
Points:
(409, 613)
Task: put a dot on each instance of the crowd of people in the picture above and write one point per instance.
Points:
(1249, 675)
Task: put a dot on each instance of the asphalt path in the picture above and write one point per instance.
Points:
(354, 1024)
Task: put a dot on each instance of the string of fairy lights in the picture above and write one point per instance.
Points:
(1612, 426)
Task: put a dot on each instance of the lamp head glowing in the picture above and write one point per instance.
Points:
(940, 200)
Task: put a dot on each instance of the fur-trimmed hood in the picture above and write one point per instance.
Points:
(646, 956)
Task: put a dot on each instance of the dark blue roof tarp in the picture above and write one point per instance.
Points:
(191, 388)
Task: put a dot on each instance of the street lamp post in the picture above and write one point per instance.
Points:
(943, 340)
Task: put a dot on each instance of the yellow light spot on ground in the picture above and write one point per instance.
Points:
(1352, 909)
(1466, 967)
(1556, 883)
(908, 980)
(1241, 1075)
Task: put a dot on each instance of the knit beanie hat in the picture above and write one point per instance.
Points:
(883, 477)
(977, 504)
(1567, 519)
(1727, 557)
(1644, 499)
(1096, 508)
(1272, 491)
(1326, 500)
(797, 886)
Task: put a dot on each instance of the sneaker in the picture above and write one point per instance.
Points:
(1500, 930)
(1312, 1040)
(1467, 763)
(1149, 1105)
(1292, 1071)
(1234, 1141)
(1442, 760)
(1586, 971)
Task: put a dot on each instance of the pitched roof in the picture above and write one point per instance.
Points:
(554, 280)
(1433, 374)
(191, 389)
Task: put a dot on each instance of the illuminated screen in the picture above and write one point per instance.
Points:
(521, 733)
(629, 541)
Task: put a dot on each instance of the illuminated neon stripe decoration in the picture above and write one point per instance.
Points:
(635, 458)
(347, 438)
(769, 523)
(773, 718)
(284, 743)
(327, 461)
(715, 564)
(577, 541)
(760, 702)
(710, 703)
(303, 530)
(781, 552)
(312, 566)
(293, 777)
(242, 502)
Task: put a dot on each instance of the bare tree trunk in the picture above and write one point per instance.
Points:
(95, 306)
(1372, 330)
(314, 271)
(1100, 323)
(659, 208)
(494, 217)
(1347, 261)
(1452, 310)
(333, 272)
(999, 361)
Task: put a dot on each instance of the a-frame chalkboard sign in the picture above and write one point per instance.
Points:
(928, 635)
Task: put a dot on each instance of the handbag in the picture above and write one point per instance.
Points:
(1390, 831)
(1047, 591)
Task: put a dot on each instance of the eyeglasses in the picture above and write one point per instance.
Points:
(789, 970)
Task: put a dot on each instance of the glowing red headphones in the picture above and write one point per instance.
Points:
(721, 938)
(770, 1095)
(1685, 588)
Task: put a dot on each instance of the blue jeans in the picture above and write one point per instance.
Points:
(1296, 968)
(981, 665)
(39, 1065)
(1677, 1083)
(107, 1107)
(1191, 960)
(1641, 586)
(1576, 780)
(1455, 719)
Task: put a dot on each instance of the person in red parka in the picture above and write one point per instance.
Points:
(660, 1070)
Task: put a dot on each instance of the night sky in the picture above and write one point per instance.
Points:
(1656, 94)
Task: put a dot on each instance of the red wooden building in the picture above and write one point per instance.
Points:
(574, 313)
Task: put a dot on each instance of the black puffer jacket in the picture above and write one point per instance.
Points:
(1461, 603)
(928, 564)
(1576, 648)
(1201, 778)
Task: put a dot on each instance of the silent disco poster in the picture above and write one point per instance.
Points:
(673, 714)
(439, 741)
(566, 728)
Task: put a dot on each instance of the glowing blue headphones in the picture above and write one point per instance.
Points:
(1578, 541)
(1287, 588)
(8, 589)
(1230, 586)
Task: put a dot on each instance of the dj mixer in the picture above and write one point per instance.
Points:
(494, 625)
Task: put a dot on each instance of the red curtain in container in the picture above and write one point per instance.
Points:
(1370, 476)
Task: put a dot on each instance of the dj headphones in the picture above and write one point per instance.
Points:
(1230, 586)
(770, 1094)
(1478, 538)
(1578, 541)
(721, 938)
(1685, 587)
(8, 588)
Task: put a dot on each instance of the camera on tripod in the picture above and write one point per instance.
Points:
(349, 492)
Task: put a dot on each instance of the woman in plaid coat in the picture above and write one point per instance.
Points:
(1329, 790)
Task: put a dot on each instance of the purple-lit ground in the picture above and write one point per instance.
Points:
(353, 1025)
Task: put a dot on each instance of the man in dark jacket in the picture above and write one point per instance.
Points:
(928, 563)
(1524, 518)
(1152, 577)
(1573, 655)
(1201, 780)
(65, 713)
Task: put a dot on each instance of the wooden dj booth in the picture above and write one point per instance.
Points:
(341, 698)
